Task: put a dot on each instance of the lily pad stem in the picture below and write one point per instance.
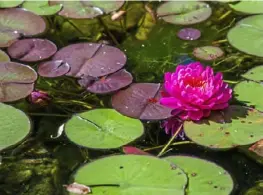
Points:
(108, 32)
(174, 144)
(225, 15)
(170, 141)
(232, 82)
(72, 24)
(219, 41)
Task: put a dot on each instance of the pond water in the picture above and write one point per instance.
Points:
(76, 65)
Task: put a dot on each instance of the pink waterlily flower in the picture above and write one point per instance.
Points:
(39, 97)
(193, 91)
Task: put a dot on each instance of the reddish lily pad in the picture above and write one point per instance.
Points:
(134, 150)
(4, 57)
(189, 34)
(109, 83)
(53, 68)
(141, 100)
(87, 9)
(17, 81)
(257, 148)
(15, 22)
(184, 12)
(32, 50)
(91, 59)
(208, 53)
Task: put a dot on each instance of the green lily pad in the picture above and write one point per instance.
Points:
(249, 92)
(87, 9)
(14, 125)
(208, 52)
(248, 7)
(246, 36)
(184, 12)
(4, 57)
(205, 177)
(10, 3)
(16, 22)
(132, 174)
(237, 125)
(42, 7)
(103, 129)
(255, 74)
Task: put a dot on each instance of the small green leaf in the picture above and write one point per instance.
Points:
(237, 125)
(14, 125)
(205, 177)
(255, 74)
(4, 57)
(103, 129)
(248, 92)
(132, 174)
(42, 7)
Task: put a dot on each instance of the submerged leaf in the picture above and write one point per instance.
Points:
(208, 53)
(184, 12)
(87, 9)
(141, 100)
(205, 177)
(103, 129)
(132, 174)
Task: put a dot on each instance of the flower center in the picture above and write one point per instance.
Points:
(194, 81)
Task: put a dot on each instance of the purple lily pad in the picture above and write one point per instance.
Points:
(189, 34)
(109, 83)
(16, 81)
(32, 50)
(87, 9)
(15, 22)
(208, 53)
(91, 59)
(141, 100)
(53, 68)
(184, 12)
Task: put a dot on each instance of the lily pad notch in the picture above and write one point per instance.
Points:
(103, 129)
